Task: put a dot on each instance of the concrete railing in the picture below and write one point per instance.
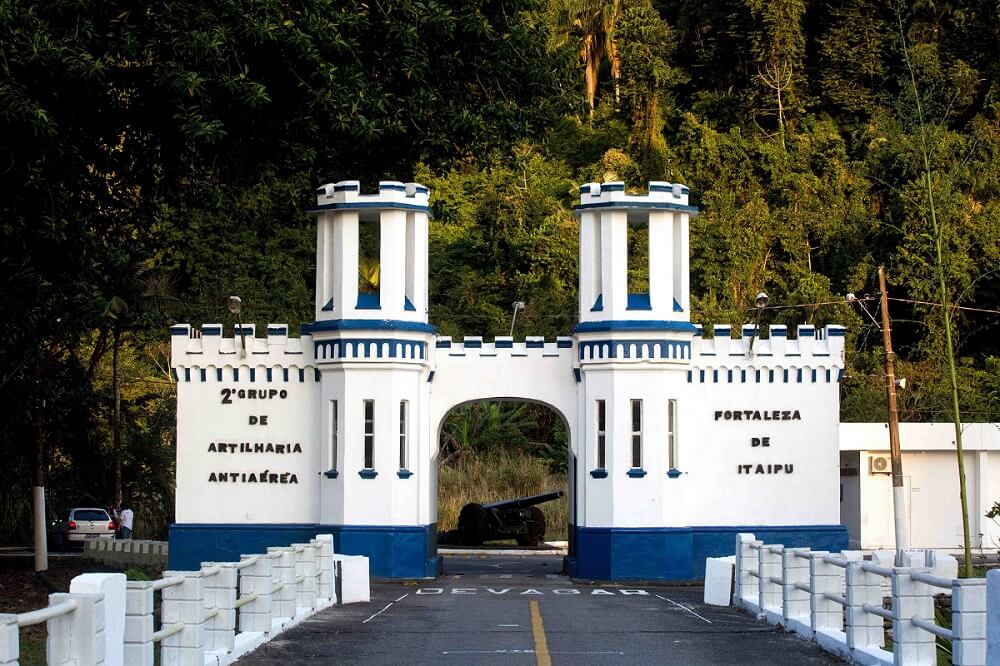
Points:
(127, 551)
(836, 600)
(208, 617)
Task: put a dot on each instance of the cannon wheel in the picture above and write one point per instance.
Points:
(473, 525)
(536, 529)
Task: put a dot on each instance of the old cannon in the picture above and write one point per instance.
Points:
(518, 519)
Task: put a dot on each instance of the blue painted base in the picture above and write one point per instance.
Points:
(678, 553)
(396, 551)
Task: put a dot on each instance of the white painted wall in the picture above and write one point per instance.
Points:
(930, 474)
(204, 418)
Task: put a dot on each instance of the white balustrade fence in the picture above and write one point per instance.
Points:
(208, 617)
(836, 600)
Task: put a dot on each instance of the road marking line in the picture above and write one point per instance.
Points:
(508, 625)
(387, 606)
(542, 657)
(700, 617)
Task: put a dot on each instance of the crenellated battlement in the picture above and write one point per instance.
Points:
(814, 355)
(504, 346)
(347, 192)
(207, 347)
(612, 194)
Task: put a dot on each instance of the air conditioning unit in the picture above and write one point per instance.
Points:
(879, 465)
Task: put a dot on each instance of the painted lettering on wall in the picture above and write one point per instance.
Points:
(758, 415)
(253, 447)
(228, 394)
(267, 476)
(764, 469)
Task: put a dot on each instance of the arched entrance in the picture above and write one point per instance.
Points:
(498, 450)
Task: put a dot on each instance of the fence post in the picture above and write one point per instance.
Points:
(9, 646)
(863, 629)
(256, 579)
(324, 562)
(112, 588)
(824, 615)
(968, 621)
(305, 566)
(794, 601)
(911, 599)
(139, 623)
(220, 593)
(283, 571)
(77, 637)
(769, 565)
(185, 603)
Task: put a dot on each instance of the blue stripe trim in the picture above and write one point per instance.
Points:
(367, 205)
(204, 375)
(636, 473)
(187, 374)
(472, 343)
(638, 302)
(598, 304)
(430, 376)
(392, 187)
(236, 374)
(367, 325)
(346, 188)
(369, 301)
(564, 343)
(504, 344)
(668, 188)
(284, 374)
(593, 350)
(178, 330)
(644, 205)
(677, 306)
(534, 344)
(777, 332)
(218, 374)
(277, 330)
(302, 375)
(268, 373)
(633, 325)
(328, 307)
(836, 332)
(577, 375)
(443, 344)
(408, 305)
(253, 374)
(211, 330)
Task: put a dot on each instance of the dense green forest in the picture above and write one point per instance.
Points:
(156, 158)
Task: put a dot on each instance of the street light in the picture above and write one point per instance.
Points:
(518, 305)
(236, 307)
(761, 302)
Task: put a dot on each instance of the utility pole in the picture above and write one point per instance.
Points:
(898, 497)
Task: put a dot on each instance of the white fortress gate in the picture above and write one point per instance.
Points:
(677, 441)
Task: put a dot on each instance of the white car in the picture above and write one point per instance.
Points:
(80, 525)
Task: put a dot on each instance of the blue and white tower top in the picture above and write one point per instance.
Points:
(606, 212)
(400, 300)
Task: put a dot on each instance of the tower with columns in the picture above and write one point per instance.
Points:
(372, 350)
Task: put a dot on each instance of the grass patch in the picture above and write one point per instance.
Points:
(501, 476)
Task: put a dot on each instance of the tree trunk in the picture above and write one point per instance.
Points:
(116, 426)
(38, 484)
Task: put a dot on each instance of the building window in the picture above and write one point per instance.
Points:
(334, 434)
(671, 434)
(636, 434)
(601, 448)
(403, 409)
(369, 434)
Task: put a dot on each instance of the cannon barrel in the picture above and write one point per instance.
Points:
(525, 502)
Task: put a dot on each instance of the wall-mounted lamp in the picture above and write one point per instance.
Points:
(236, 307)
(518, 305)
(761, 302)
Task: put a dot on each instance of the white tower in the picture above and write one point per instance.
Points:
(372, 348)
(634, 350)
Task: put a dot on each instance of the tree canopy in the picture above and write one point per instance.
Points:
(156, 158)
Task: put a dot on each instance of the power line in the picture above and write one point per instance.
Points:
(938, 305)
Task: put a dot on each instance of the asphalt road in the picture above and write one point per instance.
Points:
(508, 610)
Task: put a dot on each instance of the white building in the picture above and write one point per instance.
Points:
(930, 482)
(677, 441)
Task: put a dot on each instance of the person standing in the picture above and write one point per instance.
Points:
(125, 518)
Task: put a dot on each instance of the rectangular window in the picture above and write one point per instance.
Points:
(334, 433)
(369, 434)
(403, 408)
(600, 435)
(636, 434)
(671, 434)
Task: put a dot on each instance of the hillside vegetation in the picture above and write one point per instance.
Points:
(157, 158)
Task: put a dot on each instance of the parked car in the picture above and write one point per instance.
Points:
(79, 525)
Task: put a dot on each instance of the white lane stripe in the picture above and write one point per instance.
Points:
(387, 606)
(700, 617)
